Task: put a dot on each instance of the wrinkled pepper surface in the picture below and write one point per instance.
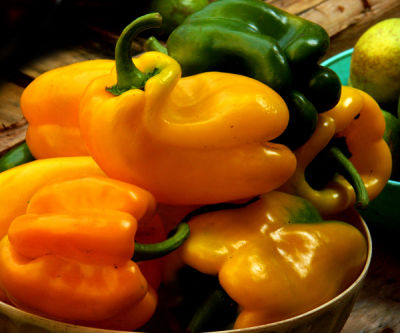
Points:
(275, 257)
(50, 104)
(356, 121)
(18, 184)
(256, 39)
(68, 256)
(193, 140)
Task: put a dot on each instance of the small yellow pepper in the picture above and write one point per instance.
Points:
(275, 257)
(358, 120)
(193, 140)
(50, 103)
(69, 256)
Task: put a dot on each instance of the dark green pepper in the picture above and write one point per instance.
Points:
(16, 156)
(392, 138)
(321, 85)
(302, 120)
(253, 38)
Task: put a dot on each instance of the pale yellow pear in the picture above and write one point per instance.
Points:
(375, 64)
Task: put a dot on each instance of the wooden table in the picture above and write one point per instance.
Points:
(378, 307)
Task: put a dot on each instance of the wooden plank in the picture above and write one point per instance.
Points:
(58, 58)
(295, 6)
(12, 122)
(336, 15)
(12, 136)
(347, 38)
(10, 112)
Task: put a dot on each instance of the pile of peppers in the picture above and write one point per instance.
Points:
(208, 173)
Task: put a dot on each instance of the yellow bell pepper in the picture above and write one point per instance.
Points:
(193, 140)
(358, 120)
(275, 257)
(69, 256)
(50, 104)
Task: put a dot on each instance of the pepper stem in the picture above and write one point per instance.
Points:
(16, 156)
(350, 173)
(152, 44)
(157, 250)
(218, 309)
(128, 75)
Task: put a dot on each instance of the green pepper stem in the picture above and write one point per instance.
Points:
(157, 250)
(128, 75)
(350, 173)
(152, 44)
(16, 156)
(218, 308)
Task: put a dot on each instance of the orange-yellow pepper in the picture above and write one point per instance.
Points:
(193, 140)
(18, 184)
(275, 257)
(50, 103)
(358, 119)
(69, 256)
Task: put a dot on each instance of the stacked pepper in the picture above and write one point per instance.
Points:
(354, 126)
(218, 138)
(256, 39)
(186, 144)
(50, 104)
(275, 257)
(69, 243)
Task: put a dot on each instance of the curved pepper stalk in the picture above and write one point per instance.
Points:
(128, 76)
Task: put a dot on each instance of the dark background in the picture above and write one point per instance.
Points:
(31, 27)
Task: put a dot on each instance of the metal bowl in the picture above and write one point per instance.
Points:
(328, 318)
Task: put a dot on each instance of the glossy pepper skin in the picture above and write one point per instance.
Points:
(275, 257)
(18, 184)
(256, 39)
(193, 140)
(69, 256)
(358, 120)
(50, 104)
